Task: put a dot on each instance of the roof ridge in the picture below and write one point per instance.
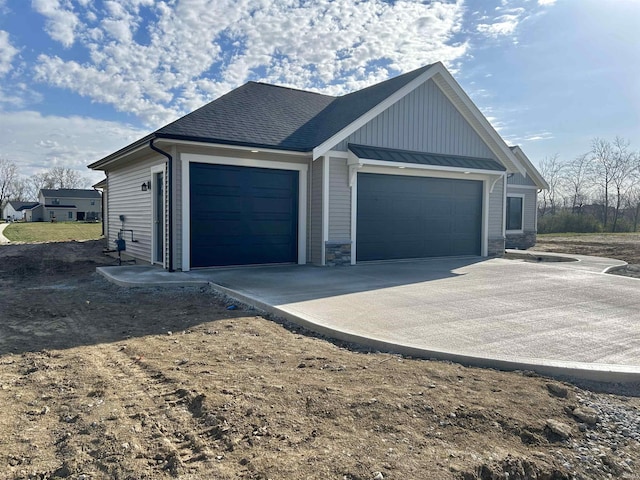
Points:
(291, 88)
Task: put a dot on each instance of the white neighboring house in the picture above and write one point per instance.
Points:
(66, 205)
(15, 210)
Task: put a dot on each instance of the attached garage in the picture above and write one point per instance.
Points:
(242, 215)
(413, 217)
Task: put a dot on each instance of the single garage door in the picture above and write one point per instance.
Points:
(243, 215)
(414, 217)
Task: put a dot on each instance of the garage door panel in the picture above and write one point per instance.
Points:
(413, 217)
(243, 215)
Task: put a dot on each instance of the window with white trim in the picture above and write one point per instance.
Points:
(515, 213)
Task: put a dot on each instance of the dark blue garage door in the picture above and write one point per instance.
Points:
(243, 215)
(413, 217)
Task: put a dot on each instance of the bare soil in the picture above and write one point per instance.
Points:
(98, 381)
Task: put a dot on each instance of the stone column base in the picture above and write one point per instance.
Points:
(521, 241)
(337, 253)
(495, 247)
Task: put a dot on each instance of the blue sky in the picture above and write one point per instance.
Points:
(81, 78)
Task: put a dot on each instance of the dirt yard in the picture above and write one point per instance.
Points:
(102, 382)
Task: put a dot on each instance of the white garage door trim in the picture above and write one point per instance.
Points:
(302, 170)
(487, 182)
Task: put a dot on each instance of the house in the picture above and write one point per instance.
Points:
(407, 168)
(66, 205)
(15, 210)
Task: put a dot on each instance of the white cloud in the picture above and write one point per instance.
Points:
(62, 22)
(161, 60)
(7, 53)
(546, 2)
(502, 26)
(37, 142)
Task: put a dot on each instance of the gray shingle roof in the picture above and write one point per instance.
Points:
(262, 115)
(406, 156)
(70, 193)
(17, 206)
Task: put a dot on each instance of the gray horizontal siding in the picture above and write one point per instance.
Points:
(126, 198)
(424, 120)
(339, 200)
(316, 211)
(496, 210)
(519, 179)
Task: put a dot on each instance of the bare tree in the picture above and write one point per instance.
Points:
(576, 181)
(623, 178)
(8, 175)
(551, 169)
(603, 170)
(20, 190)
(55, 178)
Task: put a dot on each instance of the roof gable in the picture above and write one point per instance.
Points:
(258, 115)
(531, 171)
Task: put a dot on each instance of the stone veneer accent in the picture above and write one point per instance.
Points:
(495, 247)
(521, 241)
(337, 253)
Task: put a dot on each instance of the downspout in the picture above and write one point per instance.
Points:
(169, 197)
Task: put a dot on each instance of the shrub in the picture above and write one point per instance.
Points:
(566, 222)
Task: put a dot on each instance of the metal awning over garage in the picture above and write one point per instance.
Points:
(421, 158)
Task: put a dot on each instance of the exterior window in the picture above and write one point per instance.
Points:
(52, 214)
(93, 202)
(56, 201)
(70, 215)
(514, 213)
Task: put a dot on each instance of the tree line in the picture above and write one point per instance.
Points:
(596, 191)
(14, 186)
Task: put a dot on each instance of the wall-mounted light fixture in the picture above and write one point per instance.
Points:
(145, 186)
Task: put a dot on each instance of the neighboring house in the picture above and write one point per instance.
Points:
(407, 168)
(66, 205)
(15, 210)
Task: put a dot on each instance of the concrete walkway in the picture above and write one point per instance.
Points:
(4, 240)
(556, 318)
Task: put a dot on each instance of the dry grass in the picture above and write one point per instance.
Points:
(37, 232)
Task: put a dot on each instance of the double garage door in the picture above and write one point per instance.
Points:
(413, 217)
(242, 215)
(246, 215)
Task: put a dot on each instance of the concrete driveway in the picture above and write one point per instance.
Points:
(555, 318)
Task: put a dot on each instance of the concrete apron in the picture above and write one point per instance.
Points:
(266, 289)
(599, 372)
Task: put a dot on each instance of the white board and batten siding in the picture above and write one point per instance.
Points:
(126, 198)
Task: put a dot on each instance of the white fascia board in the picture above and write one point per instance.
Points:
(99, 165)
(325, 146)
(336, 154)
(532, 171)
(417, 166)
(454, 92)
(169, 141)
